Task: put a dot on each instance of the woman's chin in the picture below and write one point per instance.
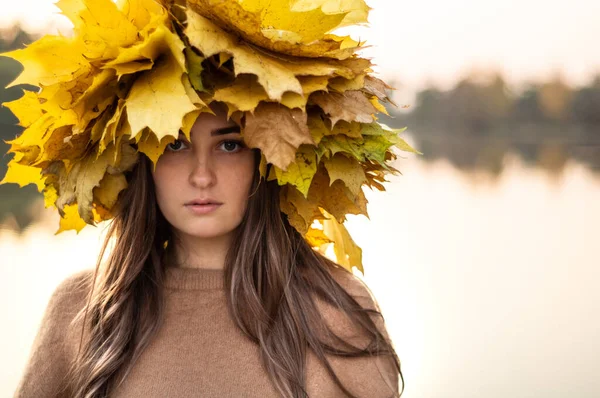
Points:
(209, 230)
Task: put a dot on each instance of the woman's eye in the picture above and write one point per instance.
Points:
(176, 145)
(231, 145)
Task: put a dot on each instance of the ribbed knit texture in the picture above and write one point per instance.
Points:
(194, 278)
(198, 351)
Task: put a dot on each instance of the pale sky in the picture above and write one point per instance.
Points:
(438, 40)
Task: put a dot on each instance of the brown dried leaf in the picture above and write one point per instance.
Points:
(277, 131)
(351, 106)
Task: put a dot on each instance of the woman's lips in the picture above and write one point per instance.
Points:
(203, 209)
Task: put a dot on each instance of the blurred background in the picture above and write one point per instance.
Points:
(484, 254)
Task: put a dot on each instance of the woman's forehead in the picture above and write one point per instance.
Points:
(207, 125)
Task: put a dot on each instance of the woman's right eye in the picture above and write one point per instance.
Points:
(176, 145)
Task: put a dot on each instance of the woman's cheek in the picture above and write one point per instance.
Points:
(168, 178)
(238, 165)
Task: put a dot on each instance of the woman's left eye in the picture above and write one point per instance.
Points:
(230, 145)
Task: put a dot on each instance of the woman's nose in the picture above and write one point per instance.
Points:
(203, 173)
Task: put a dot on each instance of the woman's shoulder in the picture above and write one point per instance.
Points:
(75, 284)
(56, 339)
(336, 319)
(69, 296)
(354, 286)
(365, 376)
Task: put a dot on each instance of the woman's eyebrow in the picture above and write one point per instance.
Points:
(225, 130)
(219, 131)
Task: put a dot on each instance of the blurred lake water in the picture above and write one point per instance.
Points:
(488, 287)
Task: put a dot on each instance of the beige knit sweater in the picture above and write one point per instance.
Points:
(198, 352)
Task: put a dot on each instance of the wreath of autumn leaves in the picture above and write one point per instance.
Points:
(302, 96)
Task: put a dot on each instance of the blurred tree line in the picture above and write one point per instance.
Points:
(478, 121)
(15, 203)
(473, 125)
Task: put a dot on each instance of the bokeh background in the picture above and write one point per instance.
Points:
(484, 254)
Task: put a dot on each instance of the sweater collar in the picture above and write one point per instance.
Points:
(194, 278)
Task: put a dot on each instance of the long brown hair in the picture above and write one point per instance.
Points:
(271, 276)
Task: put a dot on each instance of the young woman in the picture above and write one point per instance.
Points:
(208, 291)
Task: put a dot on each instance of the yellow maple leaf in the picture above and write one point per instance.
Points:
(194, 68)
(378, 105)
(318, 67)
(70, 219)
(77, 185)
(335, 197)
(279, 24)
(350, 130)
(300, 172)
(191, 92)
(51, 116)
(63, 144)
(311, 84)
(190, 118)
(154, 91)
(210, 40)
(98, 130)
(33, 136)
(317, 127)
(245, 93)
(56, 101)
(101, 25)
(50, 60)
(347, 170)
(292, 215)
(341, 84)
(276, 26)
(357, 11)
(262, 167)
(50, 196)
(294, 100)
(316, 237)
(27, 156)
(275, 72)
(107, 192)
(347, 252)
(306, 210)
(23, 175)
(141, 12)
(224, 57)
(27, 108)
(142, 55)
(151, 147)
(93, 99)
(111, 126)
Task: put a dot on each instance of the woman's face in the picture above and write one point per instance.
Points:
(215, 166)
